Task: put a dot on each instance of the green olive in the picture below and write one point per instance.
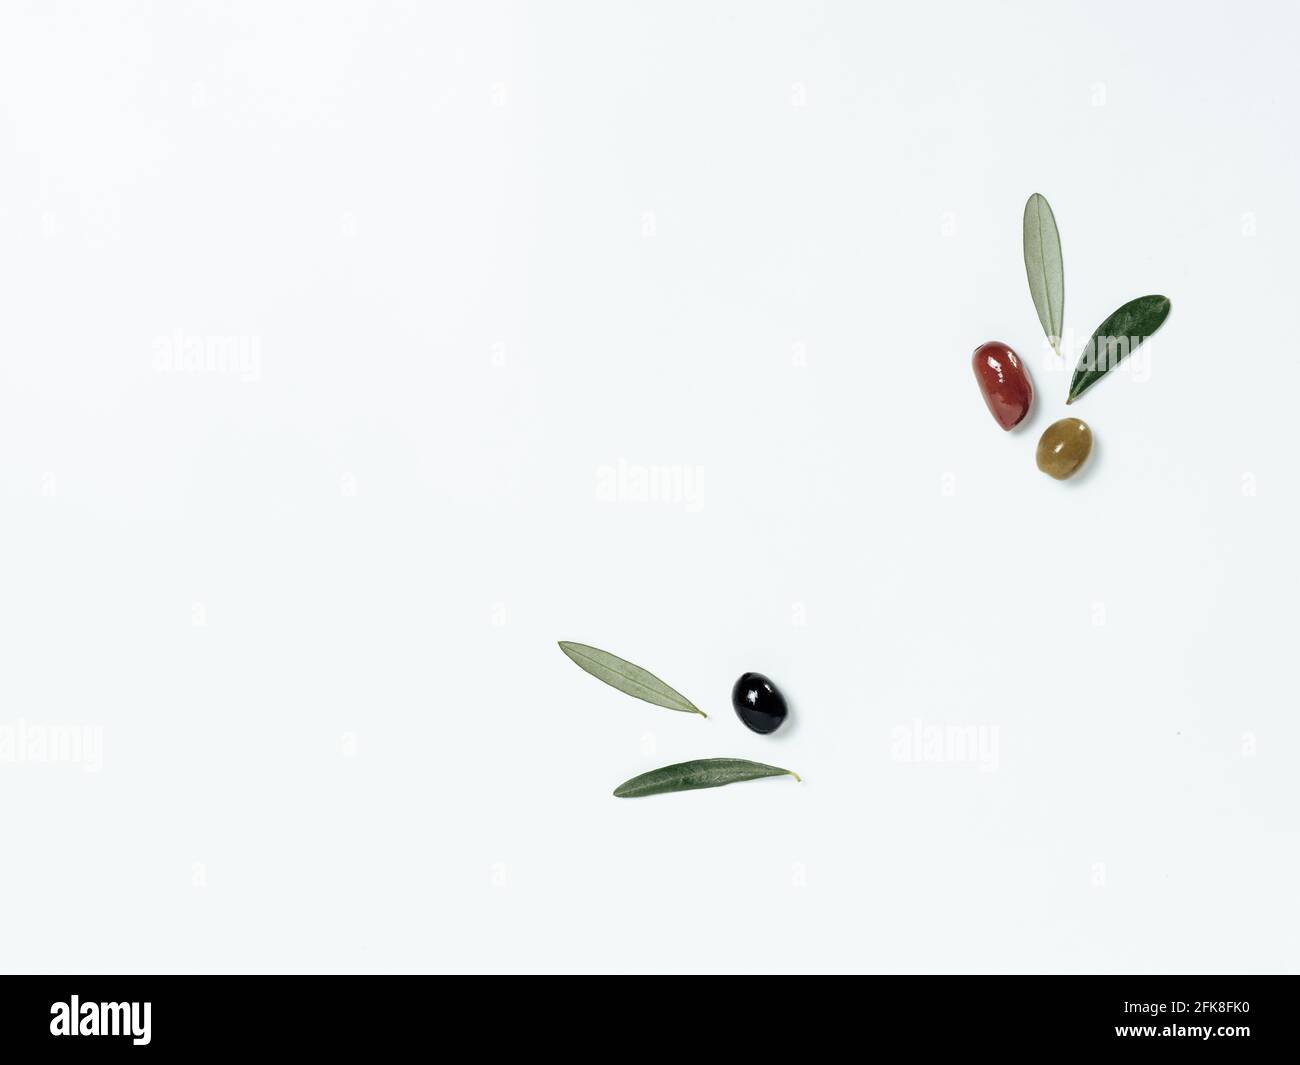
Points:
(1064, 447)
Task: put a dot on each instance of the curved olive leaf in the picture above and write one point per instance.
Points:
(702, 773)
(627, 677)
(1044, 267)
(1115, 338)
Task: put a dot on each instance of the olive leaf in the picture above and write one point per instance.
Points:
(1115, 338)
(702, 773)
(1044, 268)
(627, 677)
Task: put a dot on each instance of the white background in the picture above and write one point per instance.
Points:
(485, 253)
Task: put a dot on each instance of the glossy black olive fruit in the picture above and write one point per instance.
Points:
(758, 703)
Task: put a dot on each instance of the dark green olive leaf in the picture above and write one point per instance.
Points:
(1115, 338)
(626, 677)
(1044, 267)
(702, 773)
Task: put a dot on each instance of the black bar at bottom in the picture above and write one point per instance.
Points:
(96, 1014)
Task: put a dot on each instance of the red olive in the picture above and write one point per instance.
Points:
(1004, 383)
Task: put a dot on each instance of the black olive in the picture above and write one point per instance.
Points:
(758, 703)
